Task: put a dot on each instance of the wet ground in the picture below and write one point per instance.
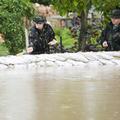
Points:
(60, 94)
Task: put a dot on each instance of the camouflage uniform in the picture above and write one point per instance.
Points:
(39, 39)
(112, 35)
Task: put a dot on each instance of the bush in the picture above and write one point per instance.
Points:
(67, 39)
(12, 25)
(3, 50)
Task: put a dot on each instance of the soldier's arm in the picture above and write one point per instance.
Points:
(32, 40)
(51, 33)
(102, 37)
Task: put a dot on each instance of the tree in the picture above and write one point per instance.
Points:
(11, 22)
(81, 7)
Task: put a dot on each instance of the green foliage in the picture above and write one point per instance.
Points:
(78, 5)
(45, 2)
(67, 39)
(64, 6)
(105, 7)
(11, 22)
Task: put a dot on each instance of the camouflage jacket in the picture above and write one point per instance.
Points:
(111, 34)
(39, 39)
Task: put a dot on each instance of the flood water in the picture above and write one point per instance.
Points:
(60, 94)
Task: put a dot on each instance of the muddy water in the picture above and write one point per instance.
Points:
(60, 94)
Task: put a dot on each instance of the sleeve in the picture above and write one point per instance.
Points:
(51, 33)
(32, 38)
(102, 37)
(106, 33)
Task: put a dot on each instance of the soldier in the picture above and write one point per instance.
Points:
(40, 37)
(110, 37)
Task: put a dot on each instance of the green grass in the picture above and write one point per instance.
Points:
(3, 50)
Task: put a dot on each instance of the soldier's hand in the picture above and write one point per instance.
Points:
(105, 44)
(29, 50)
(53, 42)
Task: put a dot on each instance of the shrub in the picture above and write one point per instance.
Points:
(11, 23)
(67, 39)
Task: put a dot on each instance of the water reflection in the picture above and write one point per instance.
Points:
(60, 94)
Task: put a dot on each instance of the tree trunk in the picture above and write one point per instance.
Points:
(26, 26)
(83, 31)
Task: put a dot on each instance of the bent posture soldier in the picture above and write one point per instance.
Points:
(110, 37)
(40, 37)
